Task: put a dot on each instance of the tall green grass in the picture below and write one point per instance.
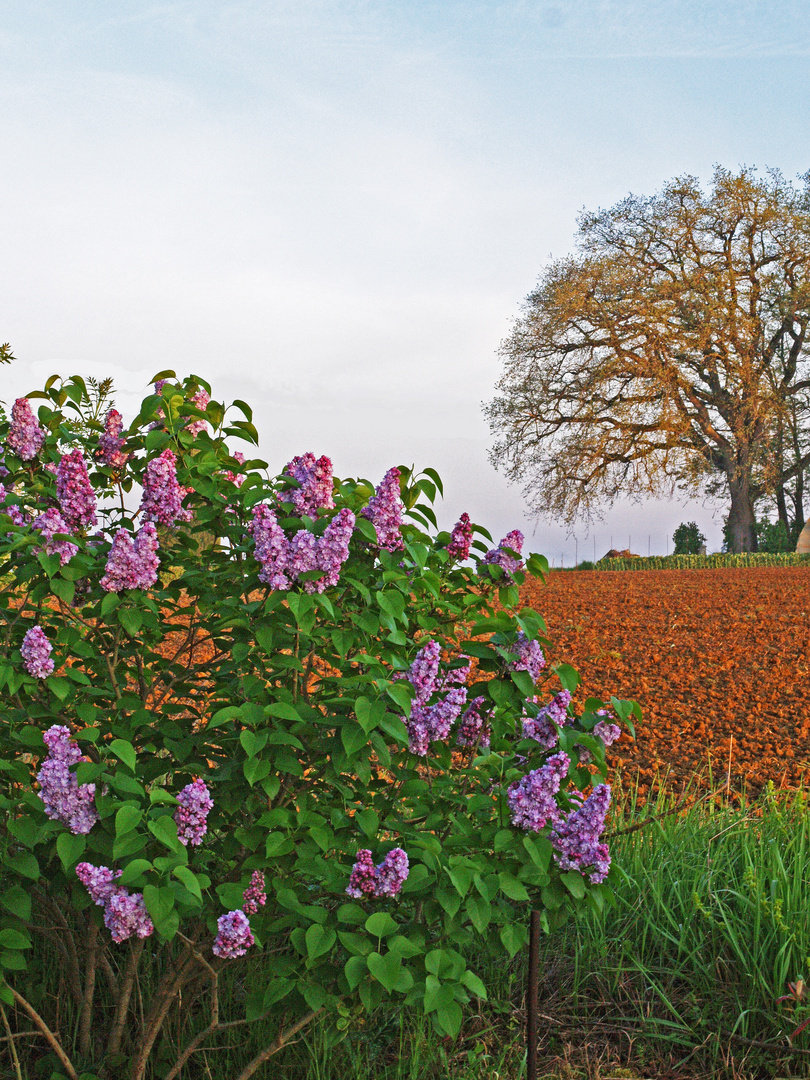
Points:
(711, 921)
(702, 562)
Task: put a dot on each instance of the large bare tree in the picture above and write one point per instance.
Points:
(670, 352)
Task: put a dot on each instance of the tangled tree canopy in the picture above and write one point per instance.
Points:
(669, 351)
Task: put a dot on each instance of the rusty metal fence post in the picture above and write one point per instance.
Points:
(531, 995)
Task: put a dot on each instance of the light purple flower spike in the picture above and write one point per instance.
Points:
(460, 539)
(132, 564)
(162, 494)
(75, 492)
(194, 804)
(315, 478)
(25, 436)
(65, 800)
(384, 511)
(36, 653)
(125, 913)
(233, 935)
(575, 839)
(499, 556)
(111, 441)
(50, 523)
(532, 798)
(385, 879)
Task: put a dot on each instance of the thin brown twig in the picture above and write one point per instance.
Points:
(15, 1061)
(48, 1035)
(277, 1044)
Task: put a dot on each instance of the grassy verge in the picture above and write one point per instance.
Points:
(679, 979)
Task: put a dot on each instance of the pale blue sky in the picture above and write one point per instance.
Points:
(334, 209)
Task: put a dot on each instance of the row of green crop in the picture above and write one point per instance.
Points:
(703, 562)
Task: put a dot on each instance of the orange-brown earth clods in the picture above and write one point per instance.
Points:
(717, 659)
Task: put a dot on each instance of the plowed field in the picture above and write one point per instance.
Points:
(717, 659)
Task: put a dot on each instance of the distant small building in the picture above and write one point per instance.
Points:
(803, 543)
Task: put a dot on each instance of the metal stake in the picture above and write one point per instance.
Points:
(531, 996)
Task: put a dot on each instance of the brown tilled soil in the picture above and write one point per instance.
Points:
(717, 659)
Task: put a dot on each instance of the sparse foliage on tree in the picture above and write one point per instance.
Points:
(669, 353)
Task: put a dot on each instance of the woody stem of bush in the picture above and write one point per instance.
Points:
(214, 1024)
(277, 1044)
(86, 1018)
(124, 994)
(171, 985)
(48, 1035)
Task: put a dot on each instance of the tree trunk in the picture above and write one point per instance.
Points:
(741, 519)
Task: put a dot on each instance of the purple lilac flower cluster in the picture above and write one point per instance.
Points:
(132, 564)
(385, 879)
(384, 511)
(473, 728)
(541, 727)
(75, 492)
(65, 800)
(255, 895)
(532, 799)
(237, 478)
(111, 441)
(194, 804)
(500, 556)
(36, 653)
(125, 913)
(606, 731)
(233, 935)
(50, 523)
(430, 722)
(315, 477)
(11, 509)
(575, 839)
(200, 401)
(162, 495)
(529, 656)
(25, 436)
(284, 561)
(460, 539)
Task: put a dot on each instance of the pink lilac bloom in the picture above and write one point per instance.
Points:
(575, 839)
(255, 895)
(384, 511)
(233, 935)
(125, 913)
(303, 554)
(132, 564)
(424, 671)
(391, 873)
(363, 876)
(75, 492)
(11, 509)
(315, 478)
(385, 879)
(162, 495)
(271, 548)
(111, 441)
(541, 727)
(160, 384)
(65, 800)
(50, 523)
(194, 804)
(460, 539)
(36, 653)
(333, 550)
(529, 656)
(532, 799)
(199, 400)
(431, 722)
(25, 436)
(499, 556)
(473, 729)
(237, 478)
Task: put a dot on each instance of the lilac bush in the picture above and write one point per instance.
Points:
(222, 704)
